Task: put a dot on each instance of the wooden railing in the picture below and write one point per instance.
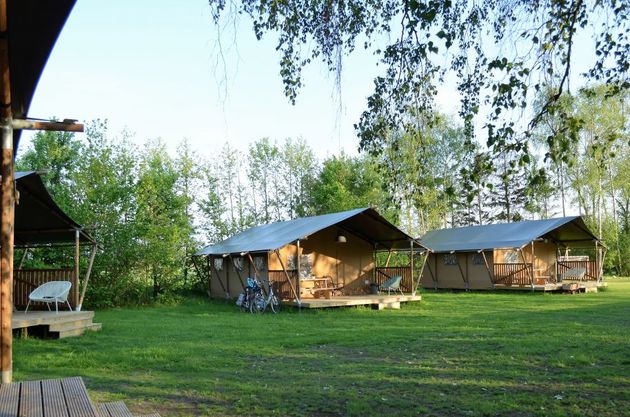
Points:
(26, 280)
(278, 279)
(383, 273)
(513, 273)
(591, 267)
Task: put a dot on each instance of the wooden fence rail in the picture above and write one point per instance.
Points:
(591, 267)
(26, 280)
(513, 273)
(278, 279)
(383, 273)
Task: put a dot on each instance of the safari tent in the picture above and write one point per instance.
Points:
(306, 257)
(529, 254)
(40, 222)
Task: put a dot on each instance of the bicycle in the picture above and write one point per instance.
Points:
(258, 304)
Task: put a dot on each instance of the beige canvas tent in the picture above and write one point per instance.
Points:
(511, 255)
(306, 254)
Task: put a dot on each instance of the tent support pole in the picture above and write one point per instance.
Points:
(555, 277)
(490, 274)
(86, 280)
(529, 270)
(251, 261)
(286, 274)
(8, 207)
(212, 268)
(298, 265)
(389, 256)
(238, 272)
(461, 272)
(77, 259)
(194, 262)
(23, 258)
(437, 277)
(424, 262)
(435, 283)
(411, 268)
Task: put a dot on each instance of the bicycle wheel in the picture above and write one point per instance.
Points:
(257, 303)
(275, 303)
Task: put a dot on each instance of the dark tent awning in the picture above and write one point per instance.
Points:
(364, 223)
(33, 28)
(569, 231)
(38, 219)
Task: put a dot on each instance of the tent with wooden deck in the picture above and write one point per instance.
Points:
(311, 257)
(530, 254)
(40, 222)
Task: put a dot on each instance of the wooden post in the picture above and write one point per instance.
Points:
(8, 205)
(240, 277)
(461, 272)
(389, 256)
(86, 280)
(555, 277)
(23, 258)
(297, 298)
(212, 268)
(490, 274)
(77, 254)
(298, 265)
(424, 262)
(529, 270)
(412, 289)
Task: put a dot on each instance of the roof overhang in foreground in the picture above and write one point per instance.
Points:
(566, 231)
(33, 28)
(365, 223)
(38, 219)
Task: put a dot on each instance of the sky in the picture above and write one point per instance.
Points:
(154, 68)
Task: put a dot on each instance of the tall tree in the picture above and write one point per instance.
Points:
(500, 52)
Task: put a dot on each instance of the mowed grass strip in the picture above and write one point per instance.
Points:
(452, 354)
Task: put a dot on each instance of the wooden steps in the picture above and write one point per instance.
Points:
(49, 324)
(66, 397)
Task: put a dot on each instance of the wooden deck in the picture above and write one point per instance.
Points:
(376, 301)
(583, 286)
(55, 325)
(66, 397)
(49, 398)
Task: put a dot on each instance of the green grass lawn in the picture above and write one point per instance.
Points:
(452, 354)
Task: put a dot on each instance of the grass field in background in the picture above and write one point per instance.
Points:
(452, 354)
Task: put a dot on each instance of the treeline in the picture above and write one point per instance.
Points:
(151, 210)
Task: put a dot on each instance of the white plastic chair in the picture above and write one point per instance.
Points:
(392, 284)
(51, 292)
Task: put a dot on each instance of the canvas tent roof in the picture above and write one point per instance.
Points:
(568, 230)
(33, 28)
(38, 219)
(365, 223)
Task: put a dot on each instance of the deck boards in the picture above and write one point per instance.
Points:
(357, 300)
(49, 398)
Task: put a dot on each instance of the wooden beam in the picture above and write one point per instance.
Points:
(63, 126)
(412, 289)
(529, 270)
(433, 278)
(424, 262)
(389, 256)
(461, 271)
(251, 261)
(86, 280)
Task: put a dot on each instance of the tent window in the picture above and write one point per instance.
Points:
(259, 262)
(510, 257)
(238, 264)
(306, 265)
(477, 259)
(218, 264)
(450, 259)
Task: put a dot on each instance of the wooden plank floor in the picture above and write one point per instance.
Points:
(41, 318)
(356, 300)
(48, 398)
